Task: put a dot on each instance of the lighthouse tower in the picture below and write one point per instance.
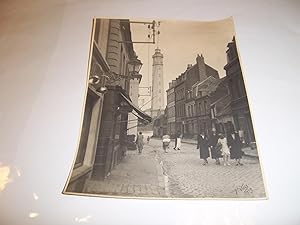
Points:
(157, 103)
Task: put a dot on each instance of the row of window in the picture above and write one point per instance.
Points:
(201, 108)
(194, 93)
(190, 110)
(180, 94)
(171, 111)
(171, 97)
(193, 127)
(180, 111)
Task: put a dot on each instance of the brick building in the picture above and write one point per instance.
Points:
(179, 90)
(239, 103)
(187, 121)
(202, 92)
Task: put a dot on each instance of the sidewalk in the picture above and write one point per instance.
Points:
(137, 175)
(247, 150)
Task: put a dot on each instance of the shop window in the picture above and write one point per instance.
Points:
(90, 101)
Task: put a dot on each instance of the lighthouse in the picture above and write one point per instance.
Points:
(157, 103)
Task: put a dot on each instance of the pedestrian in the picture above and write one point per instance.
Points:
(235, 146)
(222, 141)
(202, 145)
(148, 139)
(166, 141)
(140, 142)
(178, 142)
(176, 136)
(216, 154)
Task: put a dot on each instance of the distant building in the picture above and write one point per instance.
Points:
(239, 103)
(170, 112)
(157, 103)
(160, 125)
(180, 103)
(203, 91)
(187, 121)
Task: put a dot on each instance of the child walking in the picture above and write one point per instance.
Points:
(224, 149)
(166, 141)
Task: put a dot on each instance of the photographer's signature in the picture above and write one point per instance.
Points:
(244, 188)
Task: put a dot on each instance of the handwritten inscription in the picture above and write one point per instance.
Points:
(244, 188)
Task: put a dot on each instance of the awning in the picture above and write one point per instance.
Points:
(139, 113)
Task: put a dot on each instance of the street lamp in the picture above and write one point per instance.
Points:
(134, 65)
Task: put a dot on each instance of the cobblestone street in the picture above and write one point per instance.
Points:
(179, 174)
(188, 177)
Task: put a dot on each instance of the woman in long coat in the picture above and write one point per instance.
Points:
(202, 145)
(212, 141)
(235, 146)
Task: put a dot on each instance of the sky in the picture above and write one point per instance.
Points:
(180, 42)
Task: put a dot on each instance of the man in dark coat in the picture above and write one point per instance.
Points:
(235, 145)
(202, 145)
(212, 142)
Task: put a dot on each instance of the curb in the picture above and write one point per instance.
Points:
(251, 156)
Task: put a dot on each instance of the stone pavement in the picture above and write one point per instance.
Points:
(179, 174)
(138, 175)
(189, 178)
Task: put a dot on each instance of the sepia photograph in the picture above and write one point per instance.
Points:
(166, 114)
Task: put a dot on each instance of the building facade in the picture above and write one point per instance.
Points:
(157, 103)
(202, 92)
(179, 90)
(160, 126)
(188, 120)
(220, 108)
(103, 140)
(170, 112)
(239, 103)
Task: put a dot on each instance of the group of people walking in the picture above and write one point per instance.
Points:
(219, 146)
(215, 146)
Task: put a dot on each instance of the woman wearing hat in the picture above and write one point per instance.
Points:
(235, 145)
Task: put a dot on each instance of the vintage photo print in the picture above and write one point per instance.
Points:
(166, 114)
